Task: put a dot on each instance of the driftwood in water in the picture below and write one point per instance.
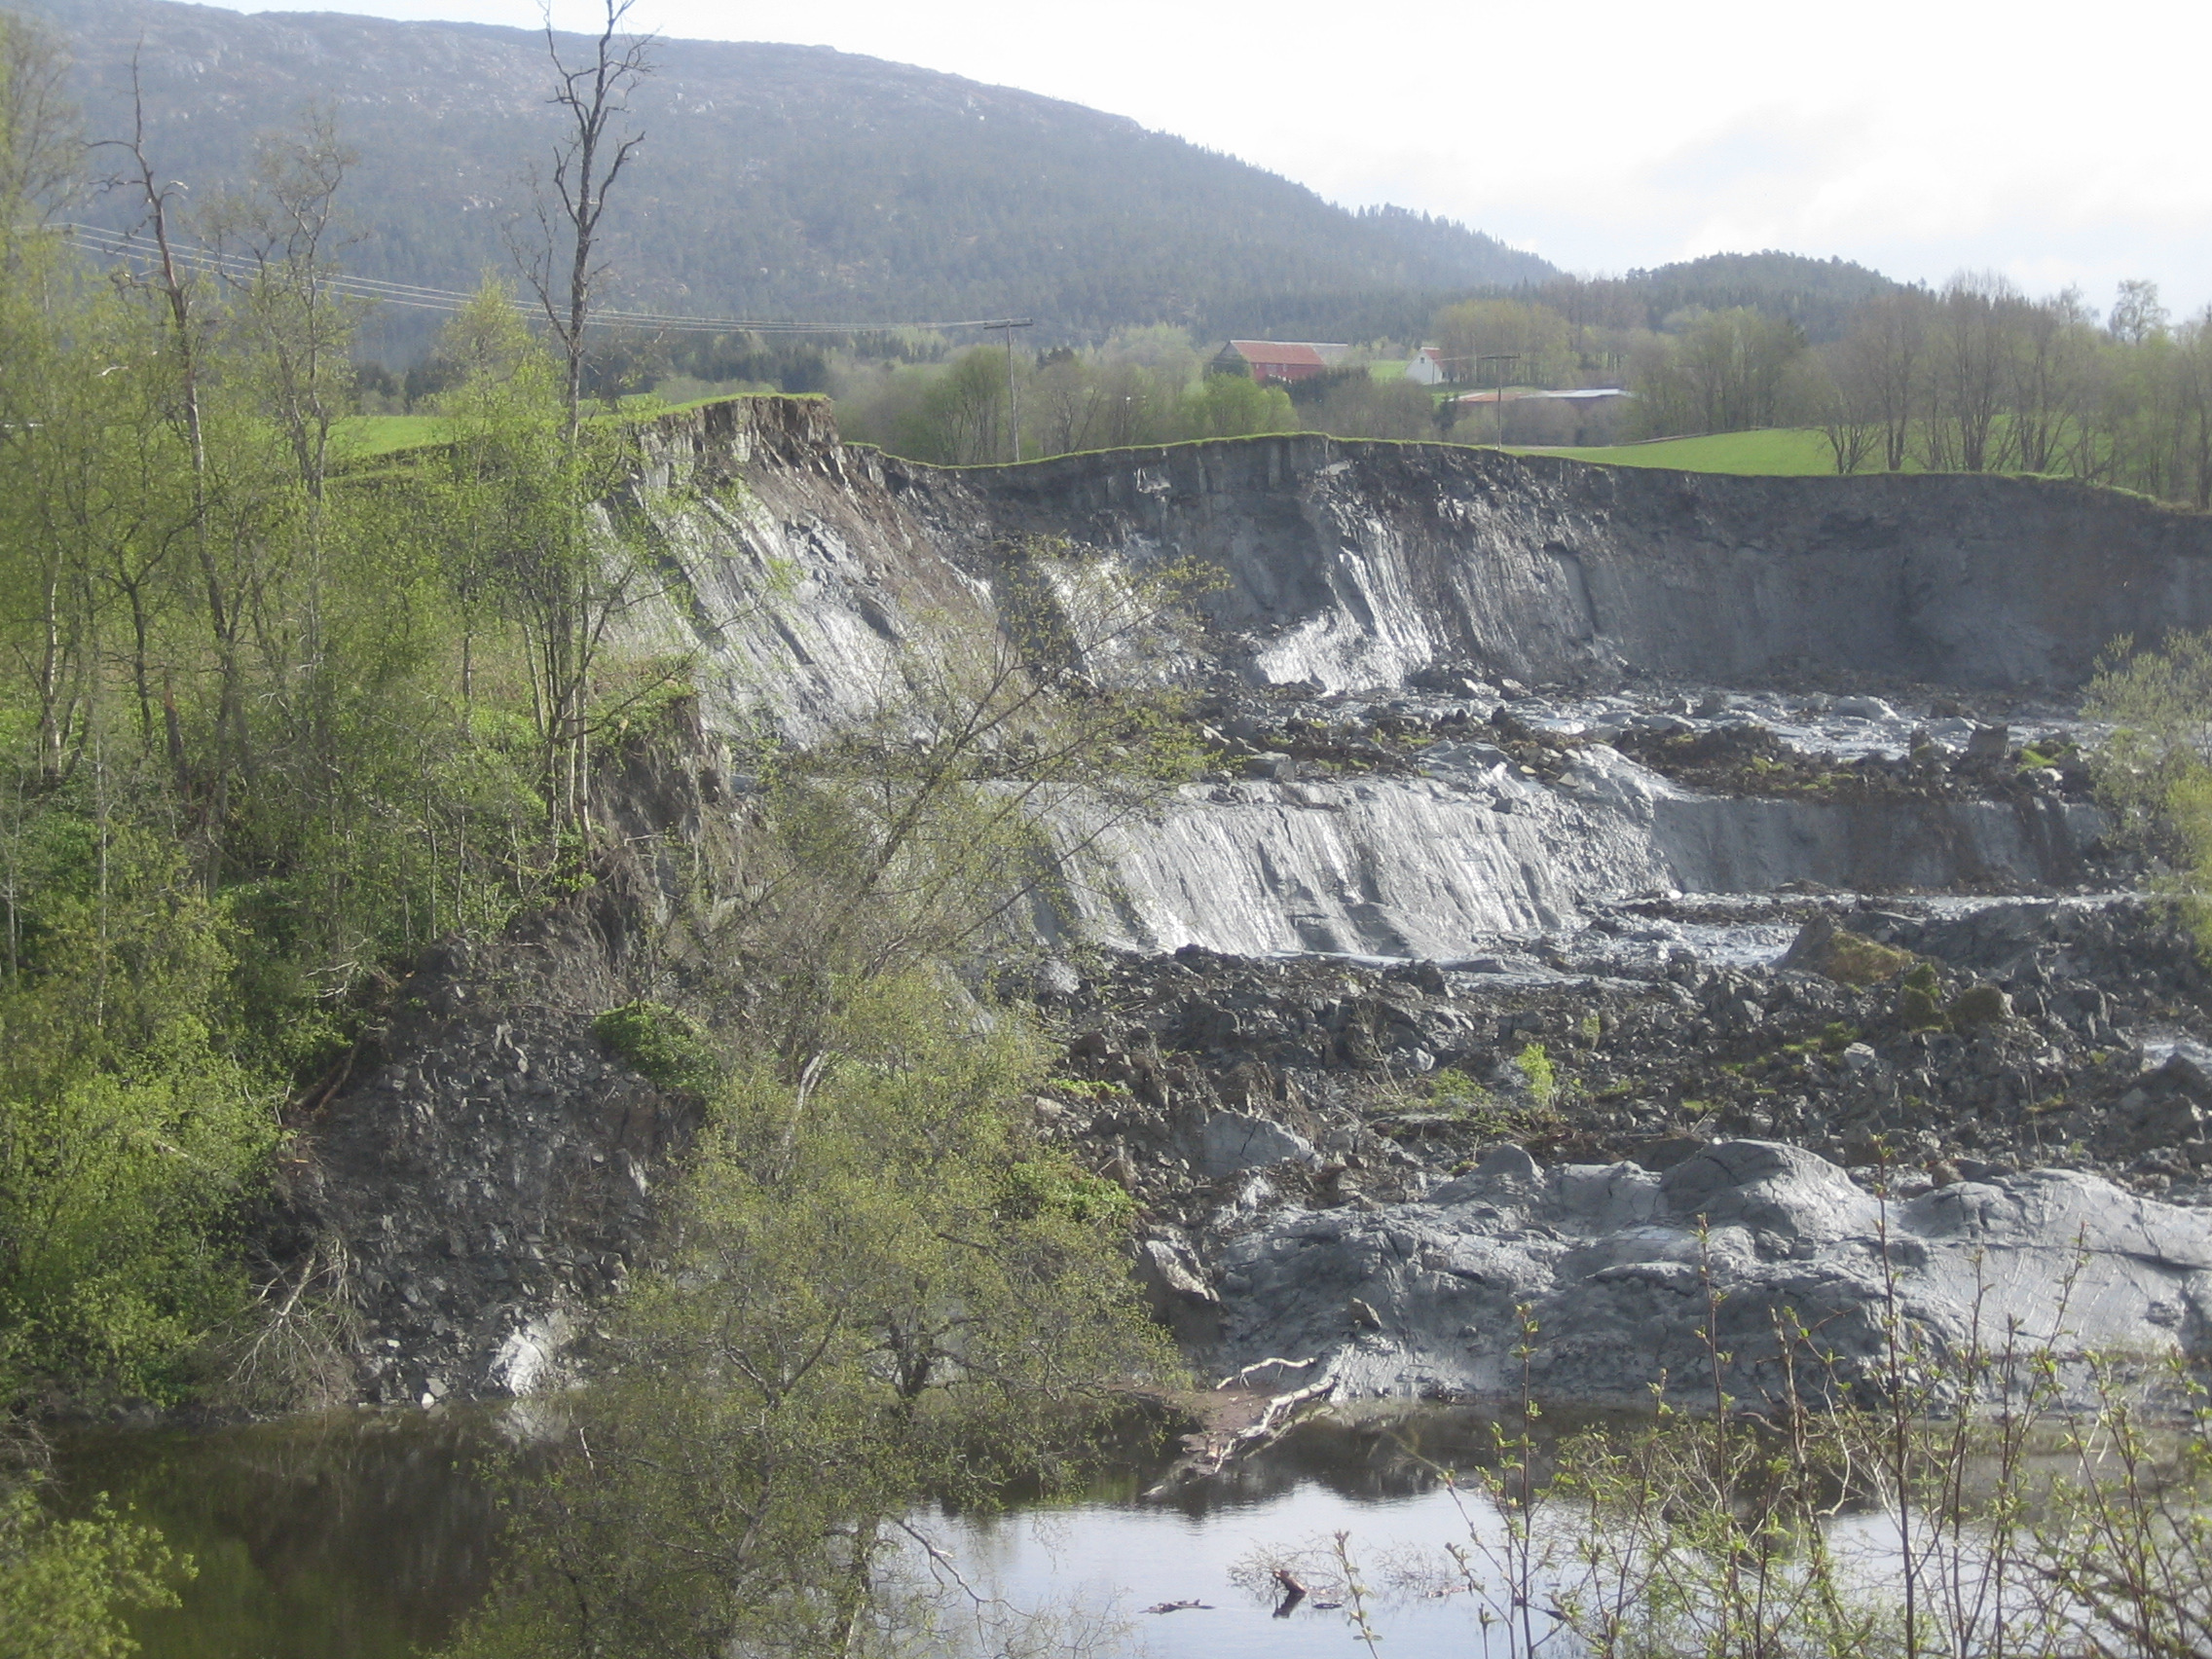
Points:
(1238, 1423)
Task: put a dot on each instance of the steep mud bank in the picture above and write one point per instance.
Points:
(483, 1168)
(796, 564)
(1358, 564)
(1436, 866)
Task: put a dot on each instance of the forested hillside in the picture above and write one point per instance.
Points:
(1817, 295)
(775, 180)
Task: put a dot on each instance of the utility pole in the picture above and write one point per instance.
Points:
(1013, 394)
(1497, 398)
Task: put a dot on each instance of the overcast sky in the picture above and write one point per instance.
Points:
(2056, 144)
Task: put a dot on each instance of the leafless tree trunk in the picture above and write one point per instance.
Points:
(225, 610)
(1847, 394)
(1888, 347)
(283, 236)
(2048, 354)
(566, 271)
(1969, 374)
(594, 96)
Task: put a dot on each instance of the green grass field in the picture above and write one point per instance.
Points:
(362, 437)
(1779, 451)
(365, 437)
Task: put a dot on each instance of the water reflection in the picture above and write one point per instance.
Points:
(1374, 1476)
(356, 1535)
(365, 1536)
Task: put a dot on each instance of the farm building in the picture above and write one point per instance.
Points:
(1427, 366)
(1515, 395)
(1277, 360)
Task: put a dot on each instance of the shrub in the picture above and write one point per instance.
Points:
(1054, 1185)
(1543, 1077)
(64, 1585)
(665, 1045)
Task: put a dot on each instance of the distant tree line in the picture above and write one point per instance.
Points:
(1977, 377)
(1974, 376)
(1980, 377)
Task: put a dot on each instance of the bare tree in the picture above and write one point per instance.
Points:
(594, 97)
(1888, 349)
(280, 244)
(577, 584)
(1070, 397)
(2136, 312)
(2049, 363)
(1970, 372)
(172, 281)
(1842, 391)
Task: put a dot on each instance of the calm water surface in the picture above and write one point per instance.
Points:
(366, 1535)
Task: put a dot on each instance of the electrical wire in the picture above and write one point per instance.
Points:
(236, 268)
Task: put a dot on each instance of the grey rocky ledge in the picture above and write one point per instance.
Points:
(1619, 1270)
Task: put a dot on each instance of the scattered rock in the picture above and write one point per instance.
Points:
(1611, 1260)
(1237, 1141)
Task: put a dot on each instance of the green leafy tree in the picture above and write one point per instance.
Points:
(2155, 770)
(128, 1139)
(1235, 406)
(1533, 337)
(1728, 373)
(66, 1586)
(883, 1292)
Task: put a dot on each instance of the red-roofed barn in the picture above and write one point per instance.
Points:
(1277, 360)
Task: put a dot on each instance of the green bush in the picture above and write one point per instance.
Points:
(1449, 1086)
(1543, 1077)
(66, 1585)
(129, 1137)
(1056, 1186)
(879, 1293)
(667, 1046)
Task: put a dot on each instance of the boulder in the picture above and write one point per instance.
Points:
(1989, 744)
(1175, 1288)
(1236, 1141)
(1839, 954)
(1621, 1269)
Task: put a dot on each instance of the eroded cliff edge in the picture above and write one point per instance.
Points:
(1357, 564)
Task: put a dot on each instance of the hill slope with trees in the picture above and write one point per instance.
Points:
(778, 181)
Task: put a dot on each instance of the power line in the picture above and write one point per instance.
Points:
(420, 297)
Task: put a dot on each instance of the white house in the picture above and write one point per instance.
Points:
(1427, 367)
